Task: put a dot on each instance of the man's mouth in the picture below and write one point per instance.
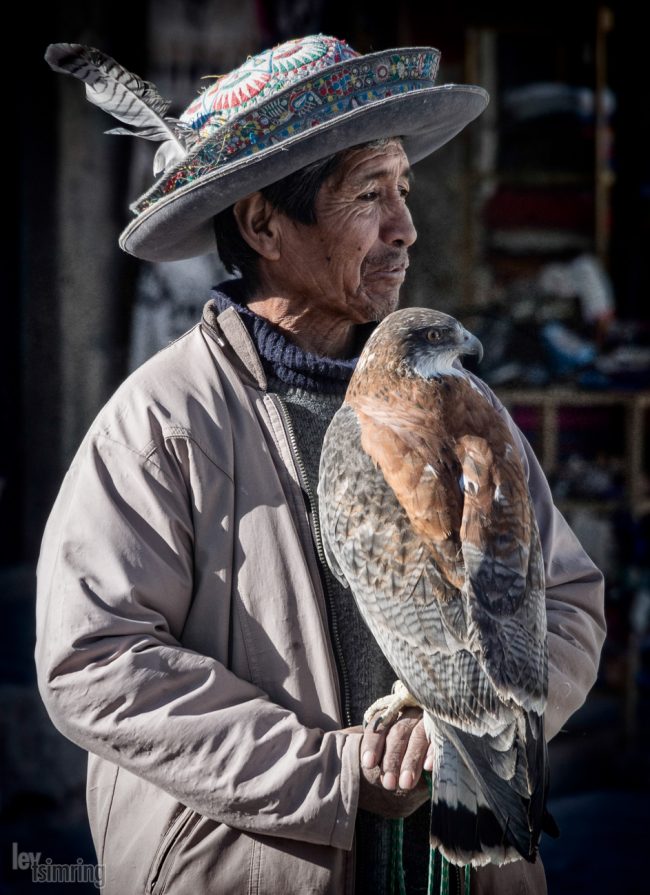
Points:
(392, 273)
(393, 269)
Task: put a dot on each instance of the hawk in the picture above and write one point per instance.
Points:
(426, 516)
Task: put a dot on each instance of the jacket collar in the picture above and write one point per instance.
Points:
(231, 334)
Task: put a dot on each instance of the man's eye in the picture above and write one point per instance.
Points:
(404, 192)
(369, 197)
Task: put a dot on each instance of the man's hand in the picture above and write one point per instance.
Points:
(391, 766)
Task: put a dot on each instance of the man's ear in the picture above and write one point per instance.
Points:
(258, 225)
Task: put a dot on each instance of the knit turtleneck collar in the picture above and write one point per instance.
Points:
(284, 359)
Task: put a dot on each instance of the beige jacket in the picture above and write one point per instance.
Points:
(182, 634)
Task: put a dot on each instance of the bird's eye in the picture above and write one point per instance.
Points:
(434, 335)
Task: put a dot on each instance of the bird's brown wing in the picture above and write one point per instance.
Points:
(453, 467)
(504, 565)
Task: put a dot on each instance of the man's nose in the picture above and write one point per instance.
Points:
(397, 227)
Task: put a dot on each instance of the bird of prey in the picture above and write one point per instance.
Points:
(426, 516)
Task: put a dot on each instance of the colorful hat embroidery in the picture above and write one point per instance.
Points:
(260, 77)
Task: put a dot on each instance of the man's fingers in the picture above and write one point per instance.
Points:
(428, 761)
(372, 744)
(413, 760)
(397, 749)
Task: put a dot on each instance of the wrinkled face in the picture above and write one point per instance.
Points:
(352, 262)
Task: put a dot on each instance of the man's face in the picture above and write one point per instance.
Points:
(352, 262)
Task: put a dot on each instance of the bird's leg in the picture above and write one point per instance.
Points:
(390, 707)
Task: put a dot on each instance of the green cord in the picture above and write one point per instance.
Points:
(444, 876)
(431, 876)
(468, 870)
(432, 871)
(397, 880)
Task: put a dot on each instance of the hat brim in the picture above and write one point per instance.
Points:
(179, 225)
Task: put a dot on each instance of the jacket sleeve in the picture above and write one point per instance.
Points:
(575, 595)
(115, 580)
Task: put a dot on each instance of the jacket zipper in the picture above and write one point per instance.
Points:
(168, 843)
(320, 551)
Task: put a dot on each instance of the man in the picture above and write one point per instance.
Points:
(189, 634)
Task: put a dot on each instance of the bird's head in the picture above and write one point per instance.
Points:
(419, 342)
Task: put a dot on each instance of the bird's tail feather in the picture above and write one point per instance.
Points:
(477, 816)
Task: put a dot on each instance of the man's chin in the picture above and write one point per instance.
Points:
(371, 305)
(383, 305)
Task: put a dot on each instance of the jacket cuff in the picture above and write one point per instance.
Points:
(346, 815)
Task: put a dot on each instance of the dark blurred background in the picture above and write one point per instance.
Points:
(534, 228)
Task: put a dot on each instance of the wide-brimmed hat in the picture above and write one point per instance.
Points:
(281, 110)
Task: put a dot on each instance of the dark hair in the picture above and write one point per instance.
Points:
(294, 195)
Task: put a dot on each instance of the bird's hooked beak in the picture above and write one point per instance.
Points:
(469, 344)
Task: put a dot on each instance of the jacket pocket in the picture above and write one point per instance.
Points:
(170, 844)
